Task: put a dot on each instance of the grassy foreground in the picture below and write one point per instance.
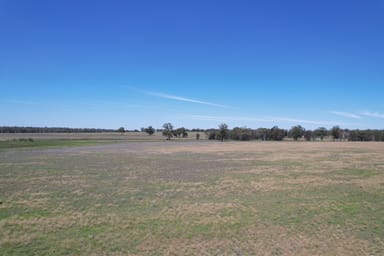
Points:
(193, 198)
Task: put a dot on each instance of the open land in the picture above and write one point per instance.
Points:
(124, 195)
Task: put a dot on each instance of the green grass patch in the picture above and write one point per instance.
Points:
(27, 143)
(23, 213)
(351, 173)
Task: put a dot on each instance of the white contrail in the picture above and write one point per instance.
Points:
(178, 98)
(373, 114)
(301, 121)
(345, 114)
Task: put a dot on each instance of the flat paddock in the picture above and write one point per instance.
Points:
(193, 198)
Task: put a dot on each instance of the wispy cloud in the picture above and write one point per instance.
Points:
(179, 98)
(227, 118)
(345, 114)
(267, 119)
(304, 121)
(373, 114)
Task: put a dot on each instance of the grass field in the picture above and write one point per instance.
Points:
(121, 197)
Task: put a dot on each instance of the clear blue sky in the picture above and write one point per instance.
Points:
(107, 64)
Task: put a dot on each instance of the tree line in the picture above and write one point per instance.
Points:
(223, 132)
(273, 134)
(22, 129)
(296, 133)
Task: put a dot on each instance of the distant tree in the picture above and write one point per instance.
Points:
(308, 135)
(336, 132)
(239, 133)
(168, 130)
(121, 130)
(212, 134)
(296, 132)
(262, 133)
(321, 132)
(223, 131)
(150, 130)
(363, 135)
(181, 132)
(275, 133)
(184, 134)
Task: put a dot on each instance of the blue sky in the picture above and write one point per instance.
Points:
(107, 64)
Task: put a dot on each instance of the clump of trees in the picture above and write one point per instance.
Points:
(364, 135)
(239, 133)
(320, 132)
(221, 133)
(336, 132)
(150, 130)
(296, 132)
(180, 133)
(245, 134)
(169, 132)
(121, 130)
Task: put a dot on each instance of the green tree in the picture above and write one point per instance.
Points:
(168, 130)
(223, 131)
(121, 130)
(181, 132)
(263, 133)
(336, 132)
(275, 133)
(212, 134)
(150, 130)
(308, 135)
(239, 133)
(321, 132)
(296, 132)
